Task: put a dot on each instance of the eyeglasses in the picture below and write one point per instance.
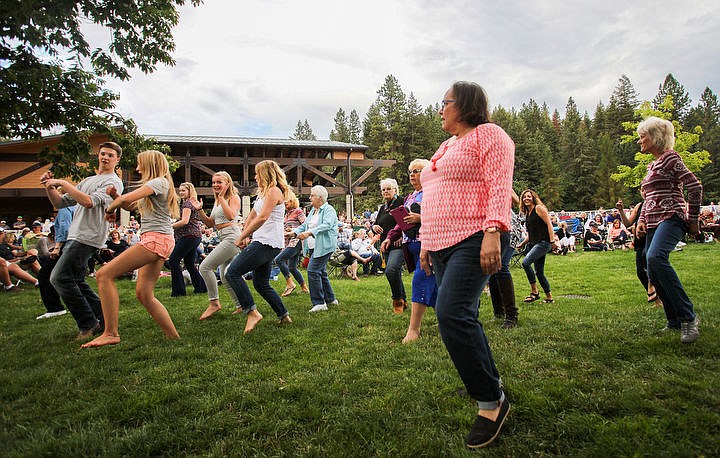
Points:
(447, 102)
(414, 171)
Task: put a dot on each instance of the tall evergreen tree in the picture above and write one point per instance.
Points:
(340, 132)
(354, 128)
(681, 99)
(303, 131)
(706, 115)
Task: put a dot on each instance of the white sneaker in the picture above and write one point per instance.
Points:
(51, 314)
(681, 244)
(319, 308)
(335, 302)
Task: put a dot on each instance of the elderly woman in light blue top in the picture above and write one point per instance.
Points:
(320, 231)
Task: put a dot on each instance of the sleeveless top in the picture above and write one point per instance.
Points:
(218, 215)
(536, 228)
(272, 232)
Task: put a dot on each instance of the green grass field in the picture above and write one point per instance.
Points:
(587, 376)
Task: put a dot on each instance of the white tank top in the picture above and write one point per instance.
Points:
(272, 232)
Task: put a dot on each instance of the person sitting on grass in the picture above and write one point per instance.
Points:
(618, 236)
(593, 241)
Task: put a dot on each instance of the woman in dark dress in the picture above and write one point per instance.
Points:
(394, 260)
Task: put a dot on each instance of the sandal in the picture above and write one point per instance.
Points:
(532, 297)
(549, 301)
(652, 296)
(288, 290)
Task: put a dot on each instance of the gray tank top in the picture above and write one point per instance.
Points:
(218, 215)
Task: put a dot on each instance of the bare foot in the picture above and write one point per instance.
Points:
(212, 308)
(285, 320)
(411, 336)
(101, 341)
(253, 319)
(237, 310)
(304, 288)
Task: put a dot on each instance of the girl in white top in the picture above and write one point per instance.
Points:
(266, 226)
(157, 202)
(223, 218)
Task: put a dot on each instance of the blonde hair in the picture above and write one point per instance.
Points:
(269, 175)
(660, 131)
(292, 201)
(231, 190)
(191, 189)
(153, 164)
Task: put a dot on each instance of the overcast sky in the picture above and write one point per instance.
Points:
(254, 68)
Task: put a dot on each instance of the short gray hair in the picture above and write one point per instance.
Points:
(660, 131)
(418, 162)
(391, 183)
(320, 191)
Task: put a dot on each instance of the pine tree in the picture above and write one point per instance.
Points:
(340, 133)
(681, 99)
(354, 128)
(303, 131)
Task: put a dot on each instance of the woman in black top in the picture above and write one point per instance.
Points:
(639, 247)
(394, 259)
(538, 241)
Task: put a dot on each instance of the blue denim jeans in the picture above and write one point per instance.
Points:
(256, 258)
(185, 250)
(374, 265)
(659, 243)
(68, 278)
(536, 256)
(394, 265)
(320, 290)
(460, 282)
(287, 261)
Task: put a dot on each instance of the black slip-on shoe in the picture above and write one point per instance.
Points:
(485, 431)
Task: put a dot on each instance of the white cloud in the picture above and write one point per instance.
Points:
(255, 68)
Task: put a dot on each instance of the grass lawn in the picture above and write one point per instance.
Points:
(587, 376)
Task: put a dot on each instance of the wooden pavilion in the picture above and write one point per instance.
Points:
(341, 167)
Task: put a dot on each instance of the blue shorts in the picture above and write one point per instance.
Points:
(424, 287)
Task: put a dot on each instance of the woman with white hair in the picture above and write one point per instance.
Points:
(320, 230)
(664, 219)
(394, 260)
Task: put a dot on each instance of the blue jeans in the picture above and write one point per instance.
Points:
(374, 264)
(536, 255)
(257, 258)
(457, 314)
(68, 278)
(185, 250)
(659, 243)
(287, 261)
(394, 264)
(320, 290)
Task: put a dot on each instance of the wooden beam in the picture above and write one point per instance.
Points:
(207, 170)
(320, 173)
(366, 175)
(23, 172)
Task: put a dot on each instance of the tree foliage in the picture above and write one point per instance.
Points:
(303, 131)
(51, 76)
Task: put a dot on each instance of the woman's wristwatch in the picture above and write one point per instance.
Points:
(491, 230)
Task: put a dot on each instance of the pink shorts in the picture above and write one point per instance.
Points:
(160, 244)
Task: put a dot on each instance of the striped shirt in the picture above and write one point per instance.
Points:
(663, 191)
(466, 188)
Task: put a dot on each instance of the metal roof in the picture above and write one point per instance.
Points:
(246, 141)
(256, 141)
